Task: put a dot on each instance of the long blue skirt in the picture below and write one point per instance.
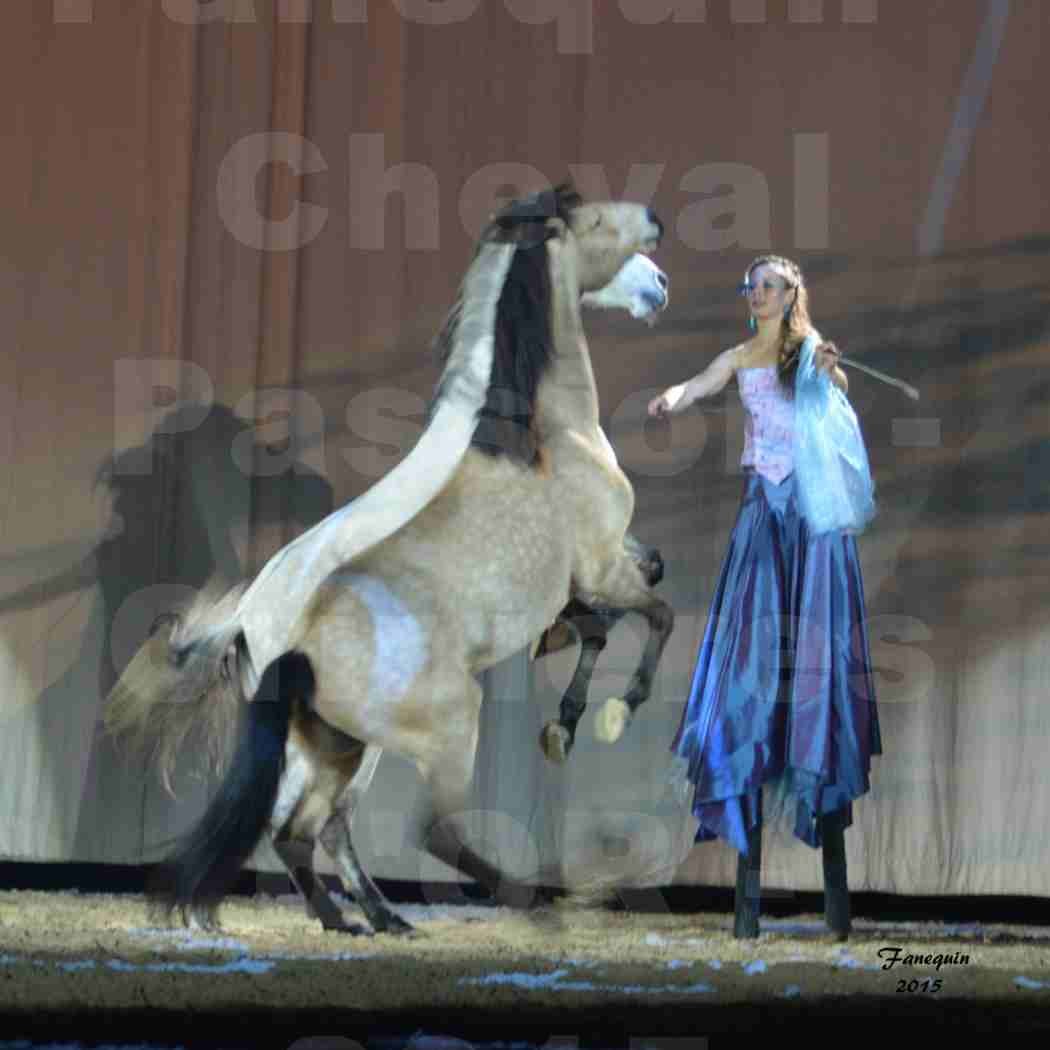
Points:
(783, 695)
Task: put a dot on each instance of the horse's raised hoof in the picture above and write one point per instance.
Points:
(555, 741)
(612, 720)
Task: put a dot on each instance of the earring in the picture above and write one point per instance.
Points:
(752, 323)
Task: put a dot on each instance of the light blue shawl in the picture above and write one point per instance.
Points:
(832, 473)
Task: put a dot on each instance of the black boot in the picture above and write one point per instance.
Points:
(748, 883)
(836, 890)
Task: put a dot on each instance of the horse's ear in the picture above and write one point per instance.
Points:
(170, 620)
(502, 227)
(566, 194)
(558, 227)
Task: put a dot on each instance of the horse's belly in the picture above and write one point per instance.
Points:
(502, 590)
(500, 556)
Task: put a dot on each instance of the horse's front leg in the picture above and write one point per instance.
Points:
(648, 559)
(622, 587)
(592, 626)
(563, 632)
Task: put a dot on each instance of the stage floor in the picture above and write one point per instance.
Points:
(91, 968)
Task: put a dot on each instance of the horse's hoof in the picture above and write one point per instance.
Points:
(518, 896)
(352, 929)
(200, 921)
(397, 927)
(612, 720)
(555, 741)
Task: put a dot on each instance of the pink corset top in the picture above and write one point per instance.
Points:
(769, 423)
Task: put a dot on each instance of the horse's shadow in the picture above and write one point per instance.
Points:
(184, 514)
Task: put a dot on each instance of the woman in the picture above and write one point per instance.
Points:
(783, 697)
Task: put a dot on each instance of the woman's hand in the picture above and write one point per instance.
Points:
(660, 406)
(827, 357)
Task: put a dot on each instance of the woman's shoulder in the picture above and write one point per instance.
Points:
(735, 357)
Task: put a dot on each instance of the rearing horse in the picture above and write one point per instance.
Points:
(376, 634)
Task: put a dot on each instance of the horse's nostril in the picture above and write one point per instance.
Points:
(661, 280)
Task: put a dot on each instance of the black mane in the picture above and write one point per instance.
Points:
(523, 340)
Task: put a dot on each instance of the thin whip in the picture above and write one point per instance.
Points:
(899, 383)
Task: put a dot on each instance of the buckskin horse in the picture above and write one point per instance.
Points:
(367, 632)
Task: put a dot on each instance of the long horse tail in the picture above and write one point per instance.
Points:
(273, 607)
(199, 874)
(183, 680)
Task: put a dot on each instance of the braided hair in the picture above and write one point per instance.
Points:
(796, 324)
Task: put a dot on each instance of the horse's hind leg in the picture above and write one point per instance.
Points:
(448, 771)
(327, 773)
(297, 857)
(293, 839)
(337, 841)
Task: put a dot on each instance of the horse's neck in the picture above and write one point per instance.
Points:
(567, 398)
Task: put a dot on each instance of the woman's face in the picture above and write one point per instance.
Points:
(769, 294)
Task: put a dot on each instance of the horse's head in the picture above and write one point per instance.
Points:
(640, 287)
(606, 235)
(564, 251)
(602, 236)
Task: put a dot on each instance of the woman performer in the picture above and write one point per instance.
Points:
(783, 696)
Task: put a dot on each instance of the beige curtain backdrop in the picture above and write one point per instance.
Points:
(231, 229)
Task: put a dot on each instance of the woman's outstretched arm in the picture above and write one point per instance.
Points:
(710, 381)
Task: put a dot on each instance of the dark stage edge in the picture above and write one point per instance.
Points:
(634, 1028)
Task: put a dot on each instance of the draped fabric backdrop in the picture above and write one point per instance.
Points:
(231, 229)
